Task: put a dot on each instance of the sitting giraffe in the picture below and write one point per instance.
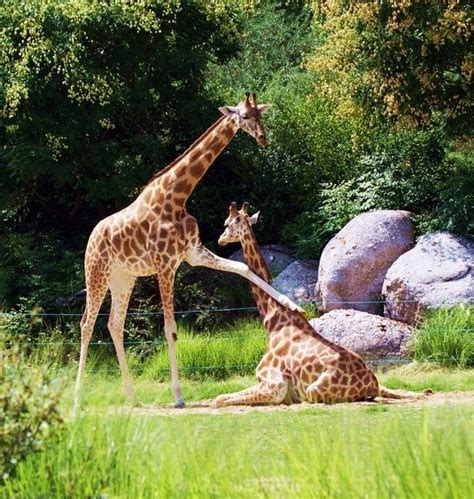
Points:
(155, 234)
(300, 364)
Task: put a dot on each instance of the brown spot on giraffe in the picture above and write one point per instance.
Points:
(161, 245)
(197, 170)
(180, 201)
(127, 250)
(117, 242)
(183, 187)
(194, 157)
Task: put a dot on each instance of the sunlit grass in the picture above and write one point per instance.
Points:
(378, 451)
(102, 389)
(367, 454)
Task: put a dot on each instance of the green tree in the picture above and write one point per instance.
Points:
(407, 59)
(95, 97)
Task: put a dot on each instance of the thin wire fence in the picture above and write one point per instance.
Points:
(203, 337)
(139, 313)
(217, 367)
(162, 341)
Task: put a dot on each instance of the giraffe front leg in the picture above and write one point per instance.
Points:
(166, 283)
(265, 393)
(201, 256)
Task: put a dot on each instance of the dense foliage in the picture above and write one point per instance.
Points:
(370, 110)
(29, 407)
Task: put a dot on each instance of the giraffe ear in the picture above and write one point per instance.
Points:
(263, 108)
(254, 218)
(228, 110)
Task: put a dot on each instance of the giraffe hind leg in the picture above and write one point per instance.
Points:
(121, 285)
(96, 290)
(327, 391)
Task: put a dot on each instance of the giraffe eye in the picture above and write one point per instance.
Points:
(244, 116)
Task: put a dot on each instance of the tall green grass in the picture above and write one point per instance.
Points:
(235, 351)
(230, 351)
(447, 337)
(403, 453)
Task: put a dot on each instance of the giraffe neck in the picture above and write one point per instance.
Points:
(267, 307)
(273, 314)
(184, 173)
(254, 257)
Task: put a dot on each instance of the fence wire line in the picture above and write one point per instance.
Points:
(208, 310)
(222, 367)
(162, 341)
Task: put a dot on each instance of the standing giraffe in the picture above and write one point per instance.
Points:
(299, 364)
(154, 234)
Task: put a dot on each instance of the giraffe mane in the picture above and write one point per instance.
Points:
(187, 151)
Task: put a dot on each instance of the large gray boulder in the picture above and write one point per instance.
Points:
(369, 335)
(354, 263)
(437, 272)
(277, 256)
(298, 280)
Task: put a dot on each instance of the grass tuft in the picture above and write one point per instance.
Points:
(446, 337)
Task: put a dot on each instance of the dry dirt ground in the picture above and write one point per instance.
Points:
(206, 407)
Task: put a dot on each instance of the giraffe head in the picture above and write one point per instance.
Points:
(246, 115)
(238, 225)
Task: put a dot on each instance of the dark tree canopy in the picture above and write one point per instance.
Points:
(371, 107)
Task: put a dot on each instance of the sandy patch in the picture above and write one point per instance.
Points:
(206, 407)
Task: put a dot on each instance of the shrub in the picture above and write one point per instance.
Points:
(29, 407)
(447, 337)
(409, 170)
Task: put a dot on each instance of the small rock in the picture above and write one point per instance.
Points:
(366, 334)
(277, 256)
(298, 280)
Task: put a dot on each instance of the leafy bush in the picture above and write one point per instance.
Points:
(447, 337)
(407, 170)
(29, 407)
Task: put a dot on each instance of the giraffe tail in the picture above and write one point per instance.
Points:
(387, 393)
(70, 300)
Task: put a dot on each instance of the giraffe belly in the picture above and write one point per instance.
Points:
(139, 269)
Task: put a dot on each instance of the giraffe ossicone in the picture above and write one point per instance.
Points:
(299, 364)
(155, 234)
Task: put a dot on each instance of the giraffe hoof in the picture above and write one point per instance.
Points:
(180, 404)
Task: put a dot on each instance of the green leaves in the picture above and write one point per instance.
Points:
(29, 408)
